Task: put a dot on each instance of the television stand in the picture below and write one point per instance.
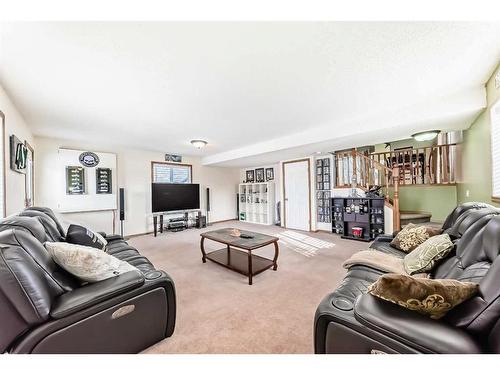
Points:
(175, 224)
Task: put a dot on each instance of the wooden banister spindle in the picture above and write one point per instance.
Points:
(395, 203)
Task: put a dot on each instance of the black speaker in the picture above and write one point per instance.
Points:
(208, 199)
(122, 204)
(201, 221)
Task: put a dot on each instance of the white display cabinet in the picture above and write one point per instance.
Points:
(257, 203)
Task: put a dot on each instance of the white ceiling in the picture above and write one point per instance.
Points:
(257, 92)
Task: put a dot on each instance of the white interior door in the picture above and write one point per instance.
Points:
(296, 200)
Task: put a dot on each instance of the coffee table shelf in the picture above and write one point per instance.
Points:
(238, 256)
(237, 260)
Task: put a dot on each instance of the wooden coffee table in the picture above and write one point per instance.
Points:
(233, 255)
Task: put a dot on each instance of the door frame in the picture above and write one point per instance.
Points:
(3, 148)
(308, 184)
(32, 150)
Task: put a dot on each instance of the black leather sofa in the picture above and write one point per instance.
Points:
(351, 321)
(44, 309)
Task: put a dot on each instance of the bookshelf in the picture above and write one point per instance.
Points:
(358, 212)
(256, 203)
(323, 192)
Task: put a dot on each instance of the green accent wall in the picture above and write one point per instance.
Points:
(476, 153)
(439, 201)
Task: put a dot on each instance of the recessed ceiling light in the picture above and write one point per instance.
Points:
(198, 143)
(318, 152)
(425, 136)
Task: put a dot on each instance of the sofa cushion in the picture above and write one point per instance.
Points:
(426, 255)
(52, 215)
(426, 296)
(48, 223)
(79, 235)
(85, 262)
(413, 235)
(31, 225)
(385, 247)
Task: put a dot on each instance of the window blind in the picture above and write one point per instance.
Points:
(171, 173)
(495, 149)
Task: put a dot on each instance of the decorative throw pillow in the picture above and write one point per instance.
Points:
(79, 235)
(86, 263)
(413, 235)
(426, 255)
(426, 296)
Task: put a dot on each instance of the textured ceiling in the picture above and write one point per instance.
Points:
(255, 91)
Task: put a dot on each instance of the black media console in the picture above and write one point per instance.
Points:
(179, 223)
(363, 215)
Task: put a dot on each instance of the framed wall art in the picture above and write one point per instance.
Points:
(259, 175)
(269, 174)
(250, 176)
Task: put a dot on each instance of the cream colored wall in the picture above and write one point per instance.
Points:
(14, 124)
(134, 174)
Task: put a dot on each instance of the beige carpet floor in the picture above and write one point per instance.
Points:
(218, 312)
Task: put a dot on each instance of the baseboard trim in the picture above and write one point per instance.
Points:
(151, 232)
(222, 221)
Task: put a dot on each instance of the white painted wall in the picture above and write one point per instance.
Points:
(15, 182)
(134, 174)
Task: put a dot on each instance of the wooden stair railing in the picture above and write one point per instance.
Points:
(435, 165)
(368, 172)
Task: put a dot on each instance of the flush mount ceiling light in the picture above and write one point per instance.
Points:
(198, 143)
(426, 136)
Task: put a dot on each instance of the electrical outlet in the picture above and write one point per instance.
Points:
(467, 193)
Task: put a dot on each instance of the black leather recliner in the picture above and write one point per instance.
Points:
(44, 309)
(351, 321)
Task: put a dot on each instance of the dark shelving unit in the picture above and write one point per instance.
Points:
(323, 194)
(366, 213)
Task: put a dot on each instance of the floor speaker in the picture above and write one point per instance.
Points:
(208, 199)
(208, 203)
(121, 208)
(237, 205)
(122, 204)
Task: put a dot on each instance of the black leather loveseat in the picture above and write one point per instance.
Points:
(44, 309)
(351, 321)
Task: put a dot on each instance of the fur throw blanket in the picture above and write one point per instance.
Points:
(379, 261)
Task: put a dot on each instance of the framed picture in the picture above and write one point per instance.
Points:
(269, 174)
(18, 155)
(259, 175)
(173, 158)
(250, 176)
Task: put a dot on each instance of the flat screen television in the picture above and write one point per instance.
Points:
(175, 197)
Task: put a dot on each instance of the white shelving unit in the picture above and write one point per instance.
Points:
(257, 203)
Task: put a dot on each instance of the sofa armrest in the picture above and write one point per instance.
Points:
(111, 237)
(411, 328)
(92, 294)
(385, 238)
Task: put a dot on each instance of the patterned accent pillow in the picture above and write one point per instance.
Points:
(413, 235)
(426, 296)
(79, 235)
(85, 262)
(426, 255)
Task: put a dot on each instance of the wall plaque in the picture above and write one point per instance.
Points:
(88, 159)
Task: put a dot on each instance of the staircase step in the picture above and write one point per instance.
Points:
(414, 217)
